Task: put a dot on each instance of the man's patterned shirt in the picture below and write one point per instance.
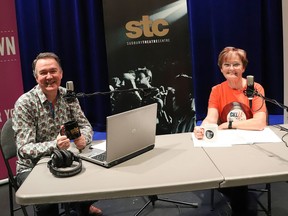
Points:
(37, 124)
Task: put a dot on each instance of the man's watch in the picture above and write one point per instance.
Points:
(230, 124)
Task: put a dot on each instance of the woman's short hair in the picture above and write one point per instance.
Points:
(227, 51)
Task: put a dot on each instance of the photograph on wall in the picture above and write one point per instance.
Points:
(148, 48)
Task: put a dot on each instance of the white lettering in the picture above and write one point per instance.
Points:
(10, 46)
(9, 113)
(7, 46)
(2, 46)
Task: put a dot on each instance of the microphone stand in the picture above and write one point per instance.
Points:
(154, 198)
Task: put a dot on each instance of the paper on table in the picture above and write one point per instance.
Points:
(228, 138)
(264, 136)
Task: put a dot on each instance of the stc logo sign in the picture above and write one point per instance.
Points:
(147, 27)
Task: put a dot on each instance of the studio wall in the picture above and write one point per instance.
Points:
(10, 67)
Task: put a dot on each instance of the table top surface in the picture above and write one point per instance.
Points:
(174, 165)
(252, 164)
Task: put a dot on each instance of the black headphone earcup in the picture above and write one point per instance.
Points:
(67, 158)
(64, 159)
(57, 158)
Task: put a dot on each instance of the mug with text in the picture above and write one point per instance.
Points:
(72, 130)
(210, 132)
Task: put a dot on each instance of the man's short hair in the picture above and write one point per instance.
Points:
(43, 56)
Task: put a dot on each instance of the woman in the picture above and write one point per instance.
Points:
(230, 95)
(230, 108)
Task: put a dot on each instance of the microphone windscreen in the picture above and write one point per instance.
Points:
(70, 86)
(250, 80)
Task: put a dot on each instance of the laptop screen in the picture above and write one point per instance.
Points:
(130, 131)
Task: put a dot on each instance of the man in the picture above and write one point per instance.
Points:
(38, 117)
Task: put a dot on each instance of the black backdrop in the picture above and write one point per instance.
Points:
(74, 30)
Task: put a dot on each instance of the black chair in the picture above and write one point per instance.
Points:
(260, 190)
(9, 150)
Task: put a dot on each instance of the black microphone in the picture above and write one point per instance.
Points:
(70, 94)
(250, 89)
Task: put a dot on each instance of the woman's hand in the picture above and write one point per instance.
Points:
(198, 132)
(223, 126)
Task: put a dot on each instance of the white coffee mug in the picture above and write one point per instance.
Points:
(210, 132)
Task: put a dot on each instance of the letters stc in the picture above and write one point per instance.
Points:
(147, 27)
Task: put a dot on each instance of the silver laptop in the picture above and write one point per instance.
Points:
(128, 135)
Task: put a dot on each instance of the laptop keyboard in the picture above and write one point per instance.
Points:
(100, 157)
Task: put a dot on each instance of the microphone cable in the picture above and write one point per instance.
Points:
(282, 129)
(255, 93)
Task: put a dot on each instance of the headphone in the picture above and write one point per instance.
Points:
(61, 159)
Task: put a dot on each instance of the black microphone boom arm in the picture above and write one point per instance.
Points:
(82, 95)
(271, 101)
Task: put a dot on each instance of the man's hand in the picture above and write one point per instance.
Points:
(80, 142)
(62, 142)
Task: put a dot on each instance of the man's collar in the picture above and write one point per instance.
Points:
(42, 96)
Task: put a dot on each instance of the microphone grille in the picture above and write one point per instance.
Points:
(69, 86)
(250, 80)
